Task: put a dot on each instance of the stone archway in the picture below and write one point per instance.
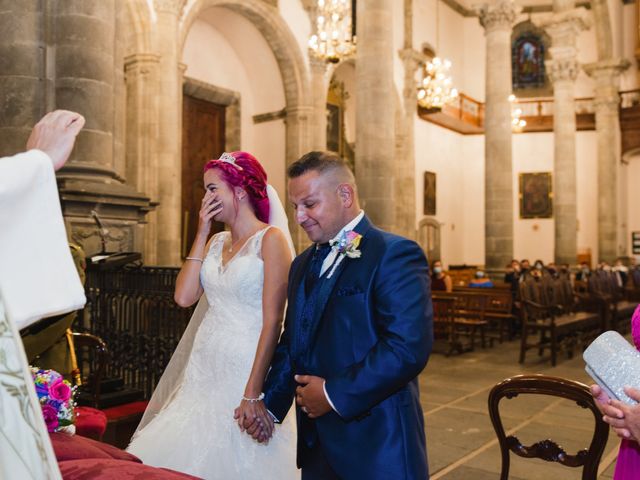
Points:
(291, 63)
(293, 70)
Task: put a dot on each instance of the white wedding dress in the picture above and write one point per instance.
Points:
(195, 432)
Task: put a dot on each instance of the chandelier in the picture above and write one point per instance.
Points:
(517, 123)
(333, 39)
(435, 90)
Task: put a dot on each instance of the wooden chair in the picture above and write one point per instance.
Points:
(558, 330)
(469, 317)
(443, 322)
(548, 450)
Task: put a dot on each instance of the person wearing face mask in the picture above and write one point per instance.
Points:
(513, 275)
(584, 272)
(481, 281)
(440, 280)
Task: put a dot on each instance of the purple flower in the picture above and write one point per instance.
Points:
(59, 391)
(50, 417)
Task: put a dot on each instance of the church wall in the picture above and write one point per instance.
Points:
(225, 50)
(298, 21)
(532, 238)
(629, 37)
(586, 191)
(633, 203)
(472, 192)
(473, 80)
(441, 151)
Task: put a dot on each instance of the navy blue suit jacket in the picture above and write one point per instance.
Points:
(369, 336)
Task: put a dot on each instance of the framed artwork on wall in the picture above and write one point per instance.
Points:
(429, 207)
(334, 128)
(635, 243)
(536, 195)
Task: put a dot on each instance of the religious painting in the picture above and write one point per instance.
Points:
(334, 127)
(536, 195)
(527, 61)
(429, 207)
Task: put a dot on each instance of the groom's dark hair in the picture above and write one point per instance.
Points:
(321, 162)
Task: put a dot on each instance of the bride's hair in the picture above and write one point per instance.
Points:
(241, 169)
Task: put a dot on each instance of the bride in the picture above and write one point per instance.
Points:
(223, 356)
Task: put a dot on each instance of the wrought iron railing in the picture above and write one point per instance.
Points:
(133, 311)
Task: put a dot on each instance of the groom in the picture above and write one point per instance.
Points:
(358, 331)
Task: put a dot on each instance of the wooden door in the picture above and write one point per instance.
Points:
(203, 129)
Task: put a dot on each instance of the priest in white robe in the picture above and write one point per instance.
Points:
(37, 279)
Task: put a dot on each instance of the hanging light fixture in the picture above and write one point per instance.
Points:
(436, 87)
(517, 123)
(334, 38)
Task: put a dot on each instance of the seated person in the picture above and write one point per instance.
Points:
(480, 281)
(439, 280)
(583, 272)
(513, 275)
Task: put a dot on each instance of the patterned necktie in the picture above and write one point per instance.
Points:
(322, 250)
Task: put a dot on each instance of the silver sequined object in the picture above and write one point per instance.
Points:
(614, 364)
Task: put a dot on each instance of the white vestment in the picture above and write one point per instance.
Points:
(37, 279)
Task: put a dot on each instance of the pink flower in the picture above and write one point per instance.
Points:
(50, 417)
(59, 391)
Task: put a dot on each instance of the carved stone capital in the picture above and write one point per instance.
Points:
(317, 65)
(498, 16)
(140, 63)
(564, 27)
(412, 59)
(606, 72)
(170, 6)
(562, 69)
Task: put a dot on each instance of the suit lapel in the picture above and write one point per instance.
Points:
(327, 285)
(297, 300)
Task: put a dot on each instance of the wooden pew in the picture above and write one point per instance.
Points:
(559, 328)
(498, 310)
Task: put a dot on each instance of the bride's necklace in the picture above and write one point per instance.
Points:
(233, 244)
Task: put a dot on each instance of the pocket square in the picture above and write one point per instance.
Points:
(349, 291)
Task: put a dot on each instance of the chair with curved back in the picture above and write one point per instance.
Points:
(548, 450)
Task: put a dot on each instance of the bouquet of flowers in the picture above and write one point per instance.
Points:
(55, 395)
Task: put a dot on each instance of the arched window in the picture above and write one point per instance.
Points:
(527, 60)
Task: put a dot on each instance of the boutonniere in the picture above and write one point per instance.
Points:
(346, 246)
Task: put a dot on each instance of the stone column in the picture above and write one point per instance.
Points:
(497, 20)
(168, 146)
(319, 86)
(84, 67)
(298, 140)
(564, 27)
(141, 72)
(22, 72)
(606, 74)
(405, 184)
(375, 112)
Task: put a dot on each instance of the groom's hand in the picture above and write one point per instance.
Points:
(310, 396)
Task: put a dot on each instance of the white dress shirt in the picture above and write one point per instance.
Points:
(331, 258)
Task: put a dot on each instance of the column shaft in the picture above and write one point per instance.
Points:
(167, 152)
(497, 20)
(375, 111)
(564, 27)
(22, 72)
(319, 103)
(607, 75)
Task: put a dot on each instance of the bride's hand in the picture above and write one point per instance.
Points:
(255, 419)
(210, 207)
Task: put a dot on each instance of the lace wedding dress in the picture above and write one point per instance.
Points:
(195, 432)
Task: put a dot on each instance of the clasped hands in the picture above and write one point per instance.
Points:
(254, 418)
(623, 418)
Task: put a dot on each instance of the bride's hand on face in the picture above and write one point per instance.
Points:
(254, 418)
(210, 207)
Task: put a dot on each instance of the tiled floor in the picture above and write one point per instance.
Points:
(461, 442)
